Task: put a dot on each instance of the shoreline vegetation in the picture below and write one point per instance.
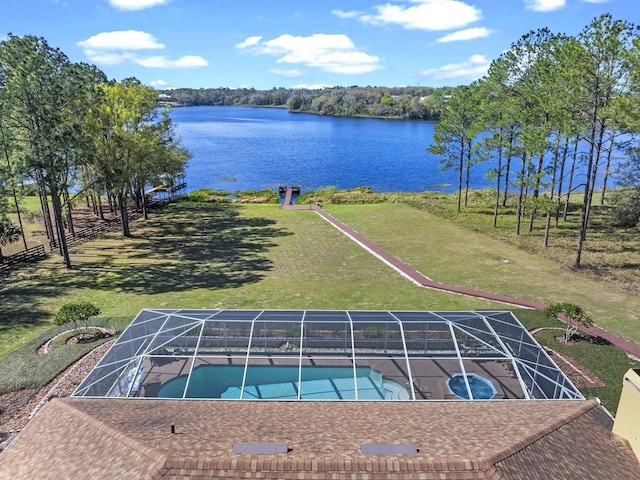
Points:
(398, 103)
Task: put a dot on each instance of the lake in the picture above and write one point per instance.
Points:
(241, 148)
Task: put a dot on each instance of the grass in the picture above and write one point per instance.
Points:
(23, 368)
(451, 253)
(230, 255)
(31, 213)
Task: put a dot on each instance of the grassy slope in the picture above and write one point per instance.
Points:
(212, 256)
(453, 254)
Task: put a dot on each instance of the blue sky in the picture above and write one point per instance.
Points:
(290, 43)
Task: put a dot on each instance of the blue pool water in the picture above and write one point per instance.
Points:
(481, 388)
(281, 383)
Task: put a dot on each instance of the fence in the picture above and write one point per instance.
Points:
(86, 233)
(39, 252)
(30, 255)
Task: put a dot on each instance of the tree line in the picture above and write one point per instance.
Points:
(419, 103)
(549, 106)
(65, 127)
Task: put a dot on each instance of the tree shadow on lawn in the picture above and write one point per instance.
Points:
(21, 304)
(185, 247)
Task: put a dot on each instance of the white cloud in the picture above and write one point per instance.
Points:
(330, 53)
(474, 68)
(159, 84)
(121, 40)
(432, 15)
(188, 61)
(343, 14)
(315, 86)
(113, 48)
(286, 73)
(544, 5)
(108, 57)
(467, 34)
(136, 4)
(249, 42)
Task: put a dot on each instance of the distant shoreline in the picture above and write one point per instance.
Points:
(283, 107)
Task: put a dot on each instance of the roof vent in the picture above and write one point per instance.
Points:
(260, 448)
(388, 448)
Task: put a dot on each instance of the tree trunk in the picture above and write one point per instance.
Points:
(508, 167)
(584, 214)
(467, 171)
(460, 169)
(570, 188)
(606, 171)
(111, 202)
(124, 214)
(145, 209)
(57, 213)
(563, 163)
(594, 175)
(536, 191)
(100, 207)
(92, 204)
(519, 206)
(499, 175)
(67, 202)
(44, 205)
(552, 200)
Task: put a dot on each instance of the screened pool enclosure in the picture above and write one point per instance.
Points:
(327, 355)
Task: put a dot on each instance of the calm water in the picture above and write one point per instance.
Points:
(236, 148)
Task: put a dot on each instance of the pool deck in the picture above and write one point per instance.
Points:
(419, 279)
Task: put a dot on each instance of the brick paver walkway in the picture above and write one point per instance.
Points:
(419, 279)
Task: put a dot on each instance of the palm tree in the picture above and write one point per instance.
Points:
(9, 233)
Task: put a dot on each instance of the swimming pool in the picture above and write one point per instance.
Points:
(281, 383)
(481, 388)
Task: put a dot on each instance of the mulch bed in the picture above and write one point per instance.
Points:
(579, 375)
(17, 408)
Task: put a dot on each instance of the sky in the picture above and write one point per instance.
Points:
(296, 43)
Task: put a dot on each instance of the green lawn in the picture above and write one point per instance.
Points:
(451, 253)
(209, 255)
(193, 255)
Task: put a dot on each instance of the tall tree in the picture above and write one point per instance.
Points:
(44, 99)
(499, 119)
(131, 144)
(601, 69)
(455, 133)
(524, 63)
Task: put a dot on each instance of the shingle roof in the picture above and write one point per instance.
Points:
(131, 438)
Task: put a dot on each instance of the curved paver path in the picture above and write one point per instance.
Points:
(419, 279)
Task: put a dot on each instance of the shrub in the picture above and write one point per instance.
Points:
(75, 313)
(572, 314)
(626, 207)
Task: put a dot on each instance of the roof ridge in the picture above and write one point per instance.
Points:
(582, 408)
(156, 470)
